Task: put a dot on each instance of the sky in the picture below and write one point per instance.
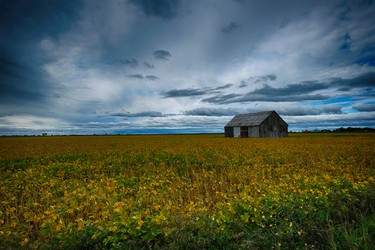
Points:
(184, 66)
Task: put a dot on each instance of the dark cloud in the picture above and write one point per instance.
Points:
(211, 112)
(346, 43)
(332, 109)
(270, 94)
(23, 25)
(231, 27)
(242, 84)
(303, 110)
(152, 77)
(194, 92)
(290, 89)
(136, 76)
(363, 80)
(21, 81)
(166, 9)
(269, 98)
(149, 65)
(298, 111)
(5, 114)
(140, 76)
(270, 77)
(132, 63)
(363, 107)
(287, 110)
(220, 99)
(30, 20)
(259, 79)
(292, 92)
(183, 93)
(139, 114)
(344, 89)
(162, 54)
(224, 86)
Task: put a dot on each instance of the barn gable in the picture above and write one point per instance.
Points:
(261, 124)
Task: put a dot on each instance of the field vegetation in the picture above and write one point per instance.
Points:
(308, 191)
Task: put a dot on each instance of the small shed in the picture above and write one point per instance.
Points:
(257, 125)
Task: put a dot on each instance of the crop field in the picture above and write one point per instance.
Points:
(307, 191)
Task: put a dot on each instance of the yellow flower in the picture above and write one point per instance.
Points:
(80, 224)
(157, 207)
(58, 228)
(119, 204)
(25, 241)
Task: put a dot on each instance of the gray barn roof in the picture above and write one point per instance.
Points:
(251, 119)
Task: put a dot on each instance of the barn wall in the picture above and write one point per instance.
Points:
(253, 132)
(283, 131)
(228, 131)
(273, 127)
(273, 131)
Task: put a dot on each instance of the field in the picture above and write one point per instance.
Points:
(308, 191)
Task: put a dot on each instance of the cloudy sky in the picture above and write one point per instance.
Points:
(131, 66)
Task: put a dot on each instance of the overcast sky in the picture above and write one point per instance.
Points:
(123, 66)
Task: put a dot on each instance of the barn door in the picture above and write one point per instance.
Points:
(244, 132)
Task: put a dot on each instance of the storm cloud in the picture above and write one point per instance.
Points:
(131, 63)
(224, 86)
(139, 114)
(136, 76)
(162, 54)
(152, 77)
(183, 93)
(109, 66)
(290, 89)
(166, 9)
(140, 77)
(363, 107)
(231, 27)
(362, 80)
(211, 112)
(304, 91)
(149, 65)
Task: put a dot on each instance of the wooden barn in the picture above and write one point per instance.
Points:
(257, 125)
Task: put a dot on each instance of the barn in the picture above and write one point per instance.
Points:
(257, 125)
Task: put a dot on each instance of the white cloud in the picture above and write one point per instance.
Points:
(30, 122)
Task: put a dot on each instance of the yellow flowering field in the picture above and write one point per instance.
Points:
(308, 191)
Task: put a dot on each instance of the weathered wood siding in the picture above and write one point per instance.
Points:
(273, 127)
(228, 131)
(253, 132)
